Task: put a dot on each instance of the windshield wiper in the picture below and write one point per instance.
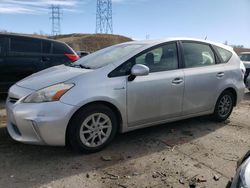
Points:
(79, 66)
(84, 67)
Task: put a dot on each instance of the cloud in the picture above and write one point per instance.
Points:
(36, 6)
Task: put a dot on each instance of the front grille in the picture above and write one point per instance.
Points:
(13, 100)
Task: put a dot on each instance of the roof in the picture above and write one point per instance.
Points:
(159, 41)
(29, 36)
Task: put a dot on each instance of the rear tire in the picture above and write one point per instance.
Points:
(224, 106)
(92, 128)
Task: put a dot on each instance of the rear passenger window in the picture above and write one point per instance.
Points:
(25, 45)
(197, 55)
(225, 54)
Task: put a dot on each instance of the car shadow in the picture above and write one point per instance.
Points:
(40, 165)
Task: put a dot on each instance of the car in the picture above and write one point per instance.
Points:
(82, 53)
(242, 176)
(245, 58)
(122, 88)
(21, 56)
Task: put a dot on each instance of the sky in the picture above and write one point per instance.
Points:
(218, 20)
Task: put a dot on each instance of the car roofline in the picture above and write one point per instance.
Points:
(30, 37)
(165, 40)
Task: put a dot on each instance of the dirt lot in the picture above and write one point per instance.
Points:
(168, 155)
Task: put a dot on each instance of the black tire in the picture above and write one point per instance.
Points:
(73, 131)
(217, 116)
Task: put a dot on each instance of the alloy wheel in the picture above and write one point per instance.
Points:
(225, 105)
(95, 130)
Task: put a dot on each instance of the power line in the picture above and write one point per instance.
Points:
(104, 23)
(56, 19)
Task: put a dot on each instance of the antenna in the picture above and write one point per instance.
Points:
(104, 23)
(56, 19)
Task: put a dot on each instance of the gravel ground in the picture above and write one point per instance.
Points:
(170, 155)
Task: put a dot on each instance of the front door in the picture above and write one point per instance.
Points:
(23, 58)
(157, 96)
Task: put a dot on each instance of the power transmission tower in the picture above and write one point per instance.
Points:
(56, 19)
(104, 23)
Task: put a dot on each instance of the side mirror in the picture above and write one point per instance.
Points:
(140, 70)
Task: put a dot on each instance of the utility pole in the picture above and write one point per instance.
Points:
(56, 19)
(104, 22)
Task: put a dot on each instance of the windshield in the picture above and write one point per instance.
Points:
(106, 56)
(245, 57)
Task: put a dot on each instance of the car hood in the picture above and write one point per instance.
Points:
(50, 77)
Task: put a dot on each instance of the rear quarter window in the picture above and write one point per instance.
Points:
(224, 54)
(61, 48)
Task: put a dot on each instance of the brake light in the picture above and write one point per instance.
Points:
(72, 57)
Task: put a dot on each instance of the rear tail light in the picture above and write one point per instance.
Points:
(72, 57)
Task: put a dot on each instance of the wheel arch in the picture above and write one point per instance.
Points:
(108, 104)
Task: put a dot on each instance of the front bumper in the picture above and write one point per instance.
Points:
(38, 123)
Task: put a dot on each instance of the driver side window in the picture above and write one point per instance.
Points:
(163, 58)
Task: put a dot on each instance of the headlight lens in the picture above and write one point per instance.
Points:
(242, 178)
(48, 94)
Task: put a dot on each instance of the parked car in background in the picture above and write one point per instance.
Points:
(245, 58)
(21, 56)
(242, 176)
(82, 53)
(122, 88)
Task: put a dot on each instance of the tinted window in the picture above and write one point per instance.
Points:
(60, 48)
(25, 45)
(160, 59)
(245, 57)
(46, 46)
(197, 55)
(225, 54)
(1, 45)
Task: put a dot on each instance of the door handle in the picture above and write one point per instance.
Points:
(177, 81)
(45, 59)
(220, 74)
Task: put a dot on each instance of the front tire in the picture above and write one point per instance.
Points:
(224, 106)
(92, 128)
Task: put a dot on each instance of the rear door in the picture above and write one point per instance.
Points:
(23, 58)
(204, 77)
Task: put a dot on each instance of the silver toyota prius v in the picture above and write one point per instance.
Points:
(122, 88)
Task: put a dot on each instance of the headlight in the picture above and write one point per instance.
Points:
(242, 177)
(48, 94)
